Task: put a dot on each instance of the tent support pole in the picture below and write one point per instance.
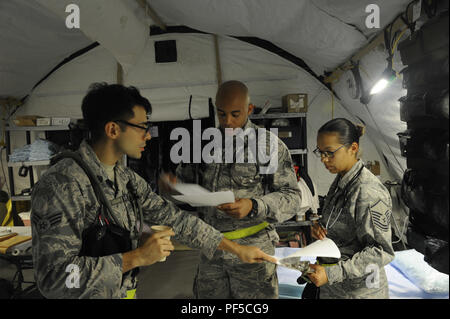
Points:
(119, 74)
(218, 66)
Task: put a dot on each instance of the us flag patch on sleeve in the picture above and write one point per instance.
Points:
(381, 216)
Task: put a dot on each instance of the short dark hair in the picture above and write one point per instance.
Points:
(232, 88)
(110, 102)
(347, 131)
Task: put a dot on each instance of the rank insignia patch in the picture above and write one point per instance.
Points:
(45, 223)
(381, 216)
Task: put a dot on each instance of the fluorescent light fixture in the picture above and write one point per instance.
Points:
(379, 86)
(386, 78)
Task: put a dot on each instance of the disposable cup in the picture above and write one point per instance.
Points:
(159, 228)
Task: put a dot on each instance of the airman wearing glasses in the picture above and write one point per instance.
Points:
(355, 215)
(65, 206)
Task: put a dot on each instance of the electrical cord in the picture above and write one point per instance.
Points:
(394, 47)
(396, 41)
(402, 234)
(391, 41)
(404, 16)
(389, 185)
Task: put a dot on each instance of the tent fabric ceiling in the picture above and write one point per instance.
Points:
(324, 33)
(115, 24)
(33, 41)
(169, 86)
(352, 12)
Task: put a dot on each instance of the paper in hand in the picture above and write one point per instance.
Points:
(320, 248)
(189, 189)
(209, 199)
(197, 196)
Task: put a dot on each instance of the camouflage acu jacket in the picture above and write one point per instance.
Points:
(362, 231)
(64, 205)
(245, 180)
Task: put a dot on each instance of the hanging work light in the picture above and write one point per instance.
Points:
(389, 74)
(386, 78)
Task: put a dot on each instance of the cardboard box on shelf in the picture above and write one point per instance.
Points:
(26, 120)
(44, 121)
(295, 103)
(286, 134)
(60, 121)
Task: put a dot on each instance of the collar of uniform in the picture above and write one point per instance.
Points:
(248, 124)
(350, 174)
(120, 173)
(90, 158)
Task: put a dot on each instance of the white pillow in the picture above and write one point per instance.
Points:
(415, 268)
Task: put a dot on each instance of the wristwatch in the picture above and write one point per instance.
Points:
(254, 210)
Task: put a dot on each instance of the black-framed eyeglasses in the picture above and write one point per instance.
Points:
(326, 154)
(146, 128)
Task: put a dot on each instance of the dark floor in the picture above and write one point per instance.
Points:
(170, 279)
(8, 272)
(163, 280)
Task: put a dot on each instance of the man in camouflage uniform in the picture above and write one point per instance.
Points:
(224, 276)
(362, 232)
(64, 205)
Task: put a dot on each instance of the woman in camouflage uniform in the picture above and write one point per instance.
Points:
(356, 216)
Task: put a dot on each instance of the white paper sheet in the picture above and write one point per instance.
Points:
(197, 196)
(189, 189)
(320, 248)
(207, 199)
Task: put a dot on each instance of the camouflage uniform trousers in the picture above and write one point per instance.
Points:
(357, 289)
(226, 277)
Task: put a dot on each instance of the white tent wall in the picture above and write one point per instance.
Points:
(27, 56)
(123, 30)
(169, 85)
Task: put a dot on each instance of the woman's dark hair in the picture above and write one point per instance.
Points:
(110, 102)
(347, 131)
